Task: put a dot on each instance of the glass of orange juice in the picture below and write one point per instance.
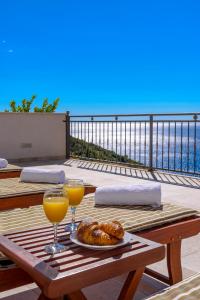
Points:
(74, 188)
(55, 204)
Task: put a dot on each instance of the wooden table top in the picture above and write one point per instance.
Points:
(77, 267)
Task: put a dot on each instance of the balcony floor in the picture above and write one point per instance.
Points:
(177, 189)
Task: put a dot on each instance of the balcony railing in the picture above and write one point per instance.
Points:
(157, 141)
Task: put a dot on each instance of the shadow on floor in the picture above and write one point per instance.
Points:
(159, 176)
(163, 177)
(106, 290)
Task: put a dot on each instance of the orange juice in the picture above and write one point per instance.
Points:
(55, 208)
(75, 194)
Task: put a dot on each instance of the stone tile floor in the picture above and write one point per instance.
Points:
(178, 189)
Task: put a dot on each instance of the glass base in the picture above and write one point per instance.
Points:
(55, 248)
(71, 227)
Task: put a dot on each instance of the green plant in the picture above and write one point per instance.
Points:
(46, 107)
(26, 106)
(83, 149)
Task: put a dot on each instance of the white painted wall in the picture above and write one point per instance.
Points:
(32, 135)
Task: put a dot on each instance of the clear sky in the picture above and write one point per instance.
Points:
(102, 56)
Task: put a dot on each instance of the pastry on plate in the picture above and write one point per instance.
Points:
(103, 234)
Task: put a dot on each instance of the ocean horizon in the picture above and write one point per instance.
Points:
(175, 147)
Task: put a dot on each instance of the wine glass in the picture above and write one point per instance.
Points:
(74, 188)
(55, 205)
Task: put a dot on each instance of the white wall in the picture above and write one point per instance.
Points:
(32, 135)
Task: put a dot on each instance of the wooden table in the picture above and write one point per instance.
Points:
(170, 235)
(68, 272)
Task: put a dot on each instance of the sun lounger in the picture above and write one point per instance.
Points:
(11, 171)
(16, 194)
(167, 226)
(188, 289)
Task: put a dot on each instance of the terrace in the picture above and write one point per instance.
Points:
(143, 155)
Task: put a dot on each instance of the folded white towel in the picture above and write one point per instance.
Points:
(33, 174)
(141, 194)
(3, 163)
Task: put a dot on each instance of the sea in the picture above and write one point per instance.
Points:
(175, 145)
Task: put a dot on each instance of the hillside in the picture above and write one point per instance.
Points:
(83, 149)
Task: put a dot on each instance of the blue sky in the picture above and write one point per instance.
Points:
(102, 56)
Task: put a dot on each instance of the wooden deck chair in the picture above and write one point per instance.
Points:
(11, 171)
(188, 289)
(16, 194)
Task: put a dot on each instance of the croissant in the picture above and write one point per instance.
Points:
(85, 226)
(92, 233)
(113, 228)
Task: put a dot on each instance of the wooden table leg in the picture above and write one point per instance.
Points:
(131, 284)
(174, 262)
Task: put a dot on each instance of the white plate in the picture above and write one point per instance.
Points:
(127, 238)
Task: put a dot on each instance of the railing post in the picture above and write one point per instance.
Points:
(67, 124)
(150, 142)
(195, 118)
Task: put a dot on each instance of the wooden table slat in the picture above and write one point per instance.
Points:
(34, 242)
(132, 256)
(34, 232)
(89, 261)
(32, 239)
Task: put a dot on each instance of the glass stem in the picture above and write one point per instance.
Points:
(73, 211)
(55, 226)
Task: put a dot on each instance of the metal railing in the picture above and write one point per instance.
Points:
(157, 141)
